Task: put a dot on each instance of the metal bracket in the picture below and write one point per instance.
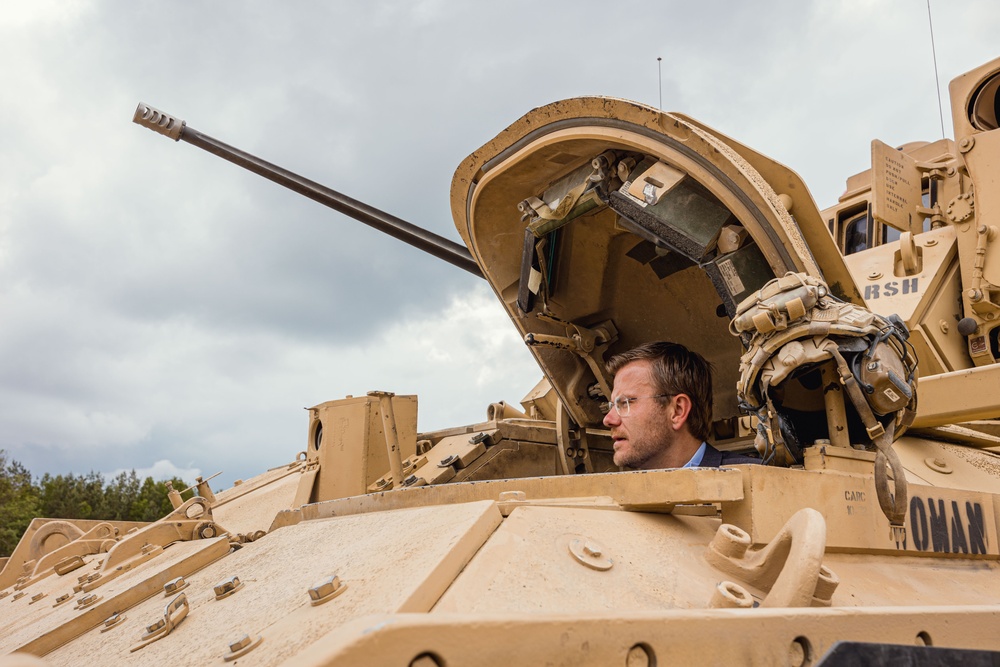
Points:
(63, 560)
(588, 344)
(191, 521)
(790, 567)
(571, 449)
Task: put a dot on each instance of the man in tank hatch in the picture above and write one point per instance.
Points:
(661, 409)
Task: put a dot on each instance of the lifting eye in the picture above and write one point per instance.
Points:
(984, 108)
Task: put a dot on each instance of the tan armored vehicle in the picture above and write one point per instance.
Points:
(855, 351)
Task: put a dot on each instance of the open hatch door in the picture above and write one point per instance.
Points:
(602, 224)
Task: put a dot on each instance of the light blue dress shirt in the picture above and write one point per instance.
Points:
(698, 456)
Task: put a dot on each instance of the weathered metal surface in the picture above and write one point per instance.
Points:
(941, 520)
(253, 510)
(41, 628)
(708, 637)
(44, 536)
(654, 490)
(391, 562)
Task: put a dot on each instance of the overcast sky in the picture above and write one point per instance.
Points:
(163, 310)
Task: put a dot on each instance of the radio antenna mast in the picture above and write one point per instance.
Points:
(659, 71)
(937, 82)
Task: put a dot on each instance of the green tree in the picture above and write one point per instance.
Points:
(120, 495)
(146, 507)
(63, 497)
(91, 490)
(124, 498)
(19, 502)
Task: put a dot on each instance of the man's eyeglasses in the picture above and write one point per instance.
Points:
(623, 404)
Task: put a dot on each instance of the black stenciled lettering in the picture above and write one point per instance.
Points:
(899, 545)
(918, 524)
(871, 292)
(958, 541)
(977, 528)
(891, 288)
(939, 526)
(910, 286)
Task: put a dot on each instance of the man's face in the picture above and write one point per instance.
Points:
(641, 438)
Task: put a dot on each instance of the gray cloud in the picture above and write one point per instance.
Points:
(160, 305)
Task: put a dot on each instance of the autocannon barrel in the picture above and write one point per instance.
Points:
(429, 242)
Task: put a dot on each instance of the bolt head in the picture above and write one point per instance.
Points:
(87, 600)
(324, 588)
(240, 643)
(224, 587)
(174, 585)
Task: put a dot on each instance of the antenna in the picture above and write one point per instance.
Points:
(937, 82)
(659, 71)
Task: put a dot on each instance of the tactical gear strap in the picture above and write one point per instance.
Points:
(547, 215)
(893, 506)
(872, 425)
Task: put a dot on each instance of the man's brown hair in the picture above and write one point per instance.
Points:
(676, 370)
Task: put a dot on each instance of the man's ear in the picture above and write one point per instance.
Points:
(680, 408)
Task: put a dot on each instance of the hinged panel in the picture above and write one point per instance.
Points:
(896, 186)
(390, 562)
(42, 626)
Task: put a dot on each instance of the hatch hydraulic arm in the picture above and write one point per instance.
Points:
(429, 242)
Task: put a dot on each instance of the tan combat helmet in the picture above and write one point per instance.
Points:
(806, 351)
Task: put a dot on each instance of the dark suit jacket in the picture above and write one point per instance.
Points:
(714, 458)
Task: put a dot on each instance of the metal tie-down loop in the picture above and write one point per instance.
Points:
(173, 613)
(790, 567)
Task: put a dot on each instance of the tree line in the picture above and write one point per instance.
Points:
(124, 498)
